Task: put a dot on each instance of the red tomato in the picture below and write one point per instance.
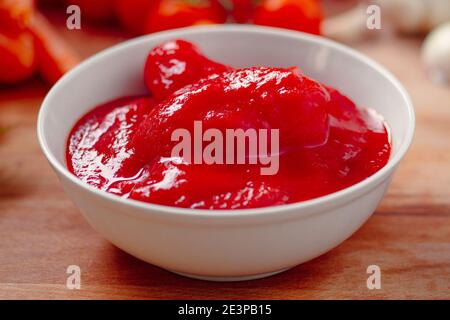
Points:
(133, 14)
(171, 14)
(55, 56)
(242, 10)
(300, 15)
(17, 57)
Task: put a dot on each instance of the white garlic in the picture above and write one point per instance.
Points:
(406, 16)
(415, 16)
(436, 53)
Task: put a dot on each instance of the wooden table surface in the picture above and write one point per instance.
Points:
(42, 233)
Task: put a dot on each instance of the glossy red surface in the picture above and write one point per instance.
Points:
(175, 64)
(326, 143)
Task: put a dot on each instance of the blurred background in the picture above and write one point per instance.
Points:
(409, 234)
(45, 38)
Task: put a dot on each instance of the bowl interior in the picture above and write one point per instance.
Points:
(118, 72)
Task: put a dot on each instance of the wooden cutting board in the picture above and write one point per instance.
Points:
(42, 233)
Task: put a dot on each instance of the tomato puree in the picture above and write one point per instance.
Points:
(326, 143)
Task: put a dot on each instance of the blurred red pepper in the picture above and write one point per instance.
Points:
(133, 14)
(28, 43)
(242, 10)
(300, 15)
(17, 54)
(17, 57)
(170, 14)
(55, 56)
(15, 15)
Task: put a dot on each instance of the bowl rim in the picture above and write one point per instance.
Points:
(356, 189)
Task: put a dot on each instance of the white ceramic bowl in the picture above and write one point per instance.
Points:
(227, 245)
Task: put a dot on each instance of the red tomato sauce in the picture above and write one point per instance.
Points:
(326, 143)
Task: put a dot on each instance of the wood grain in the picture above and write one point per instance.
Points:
(41, 232)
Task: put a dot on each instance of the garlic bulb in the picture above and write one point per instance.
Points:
(414, 16)
(406, 16)
(436, 54)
